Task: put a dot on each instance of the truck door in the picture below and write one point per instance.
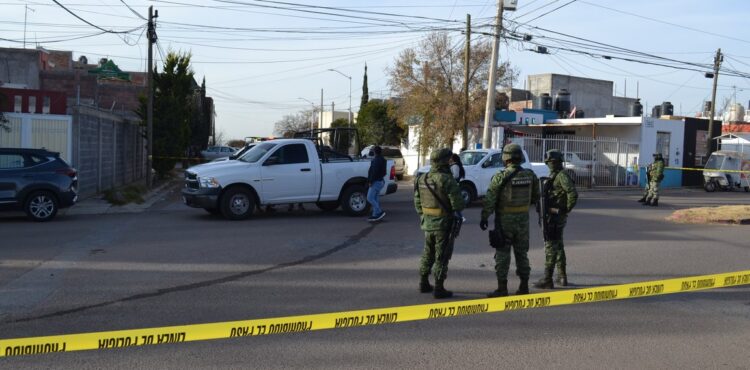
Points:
(289, 176)
(488, 169)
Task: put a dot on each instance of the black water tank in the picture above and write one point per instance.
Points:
(656, 111)
(707, 106)
(636, 108)
(667, 109)
(562, 102)
(579, 113)
(544, 102)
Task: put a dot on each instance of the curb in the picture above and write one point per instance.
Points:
(97, 206)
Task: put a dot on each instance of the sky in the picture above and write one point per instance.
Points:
(263, 59)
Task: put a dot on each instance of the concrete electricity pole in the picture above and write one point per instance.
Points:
(467, 60)
(489, 111)
(717, 63)
(150, 107)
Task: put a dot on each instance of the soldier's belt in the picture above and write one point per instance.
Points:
(433, 211)
(519, 209)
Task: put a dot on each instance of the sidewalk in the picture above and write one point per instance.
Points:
(98, 206)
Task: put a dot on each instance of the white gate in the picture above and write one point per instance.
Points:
(590, 162)
(49, 131)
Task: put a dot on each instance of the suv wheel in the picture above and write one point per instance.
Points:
(41, 206)
(354, 200)
(237, 204)
(467, 193)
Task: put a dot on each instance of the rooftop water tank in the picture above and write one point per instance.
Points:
(667, 109)
(562, 102)
(736, 113)
(636, 108)
(656, 111)
(544, 101)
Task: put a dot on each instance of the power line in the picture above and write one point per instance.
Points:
(559, 7)
(91, 24)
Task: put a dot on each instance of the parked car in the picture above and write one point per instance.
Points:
(389, 152)
(580, 166)
(236, 154)
(281, 172)
(37, 182)
(480, 165)
(213, 152)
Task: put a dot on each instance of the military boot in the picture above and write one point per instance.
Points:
(647, 202)
(523, 287)
(501, 291)
(643, 199)
(546, 281)
(562, 277)
(440, 291)
(424, 284)
(655, 203)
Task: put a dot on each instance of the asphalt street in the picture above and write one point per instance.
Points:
(173, 265)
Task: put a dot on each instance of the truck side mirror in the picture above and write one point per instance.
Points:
(486, 163)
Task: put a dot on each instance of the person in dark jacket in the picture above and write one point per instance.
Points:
(376, 179)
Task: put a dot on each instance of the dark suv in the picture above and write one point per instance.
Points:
(36, 181)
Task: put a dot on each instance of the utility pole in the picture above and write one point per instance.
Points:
(150, 108)
(717, 63)
(489, 111)
(26, 11)
(320, 122)
(467, 60)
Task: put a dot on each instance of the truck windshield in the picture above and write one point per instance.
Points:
(471, 158)
(257, 152)
(714, 162)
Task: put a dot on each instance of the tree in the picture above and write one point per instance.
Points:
(365, 91)
(429, 81)
(291, 123)
(3, 121)
(200, 120)
(173, 108)
(377, 125)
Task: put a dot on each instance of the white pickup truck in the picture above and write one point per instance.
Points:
(280, 172)
(480, 165)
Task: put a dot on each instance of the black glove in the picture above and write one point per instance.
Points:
(483, 224)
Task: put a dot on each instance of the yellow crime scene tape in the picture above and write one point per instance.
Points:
(704, 169)
(360, 318)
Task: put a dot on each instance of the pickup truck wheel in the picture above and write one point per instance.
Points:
(400, 177)
(41, 206)
(237, 204)
(354, 200)
(467, 193)
(328, 206)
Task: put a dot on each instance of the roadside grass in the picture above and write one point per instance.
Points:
(124, 195)
(739, 215)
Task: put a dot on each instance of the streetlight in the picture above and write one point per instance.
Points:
(312, 114)
(350, 95)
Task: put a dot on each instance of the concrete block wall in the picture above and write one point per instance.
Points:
(109, 151)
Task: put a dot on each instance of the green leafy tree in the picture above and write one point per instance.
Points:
(377, 123)
(365, 91)
(174, 103)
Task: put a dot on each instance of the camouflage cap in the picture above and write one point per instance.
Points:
(512, 152)
(553, 155)
(441, 156)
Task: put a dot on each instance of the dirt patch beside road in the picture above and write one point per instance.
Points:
(736, 215)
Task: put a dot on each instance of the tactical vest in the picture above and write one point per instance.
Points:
(430, 205)
(516, 196)
(557, 196)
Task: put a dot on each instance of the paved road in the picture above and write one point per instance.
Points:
(172, 265)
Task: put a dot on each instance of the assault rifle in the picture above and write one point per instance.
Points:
(543, 209)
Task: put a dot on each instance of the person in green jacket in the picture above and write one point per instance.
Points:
(655, 174)
(509, 196)
(560, 195)
(433, 193)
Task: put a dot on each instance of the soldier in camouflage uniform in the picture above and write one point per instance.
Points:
(509, 201)
(655, 173)
(436, 221)
(560, 197)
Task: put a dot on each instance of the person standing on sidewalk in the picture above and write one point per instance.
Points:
(375, 178)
